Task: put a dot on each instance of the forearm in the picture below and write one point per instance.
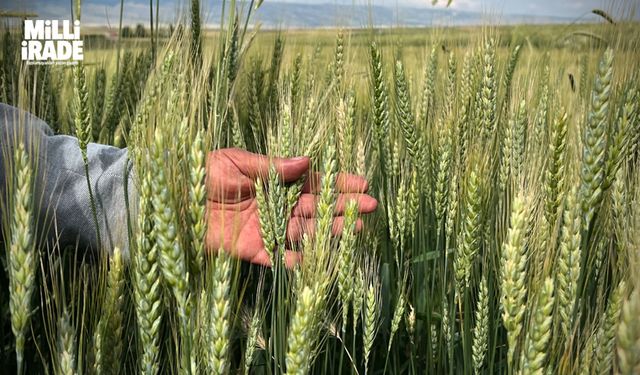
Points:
(63, 209)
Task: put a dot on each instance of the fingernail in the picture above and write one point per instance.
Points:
(299, 158)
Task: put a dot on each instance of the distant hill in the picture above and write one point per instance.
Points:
(297, 15)
(288, 13)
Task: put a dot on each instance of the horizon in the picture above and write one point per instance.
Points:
(342, 13)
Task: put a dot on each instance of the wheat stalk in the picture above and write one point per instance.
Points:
(66, 346)
(82, 124)
(302, 330)
(555, 168)
(346, 123)
(619, 148)
(592, 173)
(346, 260)
(542, 110)
(519, 140)
(21, 255)
(252, 341)
(513, 289)
(338, 62)
(404, 113)
(508, 75)
(606, 335)
(466, 97)
(380, 105)
(481, 329)
(427, 103)
(219, 310)
(326, 200)
(628, 339)
(442, 177)
(196, 40)
(147, 285)
(370, 322)
(358, 297)
(568, 263)
(470, 240)
(264, 217)
(295, 82)
(398, 313)
(170, 252)
(539, 332)
(97, 100)
(197, 199)
(487, 104)
(450, 86)
(110, 326)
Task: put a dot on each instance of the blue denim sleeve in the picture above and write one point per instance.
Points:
(62, 208)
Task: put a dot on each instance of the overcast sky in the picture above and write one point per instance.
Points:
(565, 8)
(99, 11)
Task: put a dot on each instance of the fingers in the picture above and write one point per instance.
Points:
(307, 203)
(255, 165)
(298, 226)
(291, 258)
(345, 183)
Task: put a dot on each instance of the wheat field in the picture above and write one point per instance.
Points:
(505, 162)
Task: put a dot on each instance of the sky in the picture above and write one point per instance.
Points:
(106, 11)
(564, 8)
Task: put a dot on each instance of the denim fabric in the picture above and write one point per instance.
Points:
(61, 197)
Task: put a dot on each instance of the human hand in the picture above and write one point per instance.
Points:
(232, 209)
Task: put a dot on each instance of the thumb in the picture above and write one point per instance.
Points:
(255, 165)
(291, 169)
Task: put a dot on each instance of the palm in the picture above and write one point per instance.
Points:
(232, 208)
(233, 223)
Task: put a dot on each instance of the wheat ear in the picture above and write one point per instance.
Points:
(513, 289)
(539, 333)
(22, 254)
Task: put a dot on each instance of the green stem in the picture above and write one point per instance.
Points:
(157, 25)
(341, 359)
(153, 46)
(466, 338)
(91, 198)
(119, 39)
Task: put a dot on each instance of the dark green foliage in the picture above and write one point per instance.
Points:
(196, 38)
(427, 105)
(295, 83)
(404, 113)
(508, 77)
(47, 104)
(380, 105)
(97, 99)
(114, 108)
(595, 140)
(488, 92)
(232, 54)
(254, 100)
(10, 65)
(274, 75)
